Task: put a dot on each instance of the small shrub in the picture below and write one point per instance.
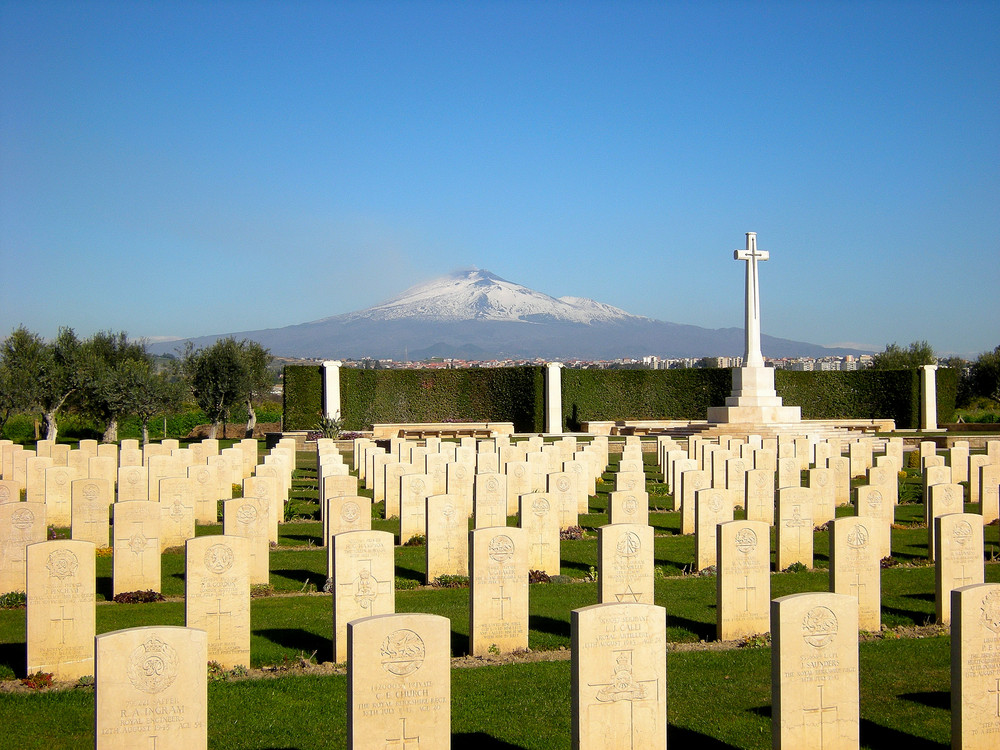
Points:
(216, 671)
(54, 533)
(707, 572)
(403, 584)
(888, 562)
(87, 681)
(796, 567)
(38, 680)
(572, 532)
(538, 576)
(592, 574)
(494, 649)
(417, 540)
(260, 590)
(139, 597)
(330, 427)
(451, 582)
(757, 640)
(13, 600)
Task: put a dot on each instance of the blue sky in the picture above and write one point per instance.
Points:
(188, 168)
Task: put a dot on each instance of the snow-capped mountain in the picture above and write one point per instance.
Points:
(474, 314)
(475, 294)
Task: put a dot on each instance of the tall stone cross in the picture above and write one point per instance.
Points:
(752, 357)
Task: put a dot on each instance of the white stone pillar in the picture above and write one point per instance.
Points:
(928, 398)
(553, 397)
(331, 389)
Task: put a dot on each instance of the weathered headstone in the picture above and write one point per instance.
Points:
(264, 489)
(177, 508)
(855, 568)
(490, 500)
(61, 612)
(363, 580)
(399, 682)
(814, 672)
(628, 507)
(941, 500)
(498, 591)
(989, 492)
(759, 495)
(794, 527)
(691, 482)
(789, 473)
(975, 667)
(711, 507)
(151, 689)
(247, 517)
(619, 677)
(133, 483)
(217, 596)
(821, 482)
(540, 521)
(205, 492)
(625, 562)
(447, 532)
(10, 491)
(959, 558)
(58, 496)
(34, 483)
(136, 546)
(91, 504)
(413, 493)
(21, 524)
(870, 504)
(743, 580)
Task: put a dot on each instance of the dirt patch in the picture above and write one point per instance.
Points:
(234, 431)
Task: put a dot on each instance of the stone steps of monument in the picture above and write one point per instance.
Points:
(811, 429)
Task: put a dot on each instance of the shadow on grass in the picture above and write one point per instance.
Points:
(931, 698)
(459, 644)
(874, 735)
(302, 576)
(105, 587)
(917, 618)
(14, 655)
(682, 737)
(702, 630)
(922, 596)
(551, 625)
(410, 573)
(303, 538)
(481, 741)
(298, 640)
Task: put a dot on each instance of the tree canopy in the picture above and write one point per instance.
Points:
(897, 358)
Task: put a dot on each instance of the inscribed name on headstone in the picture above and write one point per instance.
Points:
(711, 507)
(975, 667)
(490, 500)
(959, 558)
(363, 579)
(855, 568)
(619, 677)
(151, 689)
(21, 524)
(61, 612)
(539, 518)
(177, 508)
(794, 527)
(217, 596)
(625, 563)
(447, 531)
(91, 511)
(814, 672)
(743, 580)
(247, 517)
(136, 546)
(628, 507)
(498, 591)
(399, 682)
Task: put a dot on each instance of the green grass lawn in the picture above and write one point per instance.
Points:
(717, 699)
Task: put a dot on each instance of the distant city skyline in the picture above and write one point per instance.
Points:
(188, 168)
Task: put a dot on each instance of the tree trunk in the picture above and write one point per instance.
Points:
(145, 432)
(213, 431)
(251, 419)
(51, 428)
(111, 432)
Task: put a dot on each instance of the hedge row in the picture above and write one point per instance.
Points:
(509, 394)
(303, 397)
(516, 394)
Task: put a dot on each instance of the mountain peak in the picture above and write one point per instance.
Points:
(477, 294)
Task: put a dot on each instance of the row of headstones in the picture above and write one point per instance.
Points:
(153, 680)
(143, 529)
(61, 603)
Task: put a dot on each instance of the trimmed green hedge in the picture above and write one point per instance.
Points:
(303, 397)
(516, 394)
(608, 395)
(506, 394)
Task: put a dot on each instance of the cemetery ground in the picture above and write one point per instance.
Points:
(719, 693)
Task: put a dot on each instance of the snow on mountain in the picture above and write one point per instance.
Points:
(475, 294)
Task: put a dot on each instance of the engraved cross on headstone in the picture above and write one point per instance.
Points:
(218, 614)
(822, 709)
(746, 588)
(500, 599)
(62, 620)
(752, 357)
(402, 742)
